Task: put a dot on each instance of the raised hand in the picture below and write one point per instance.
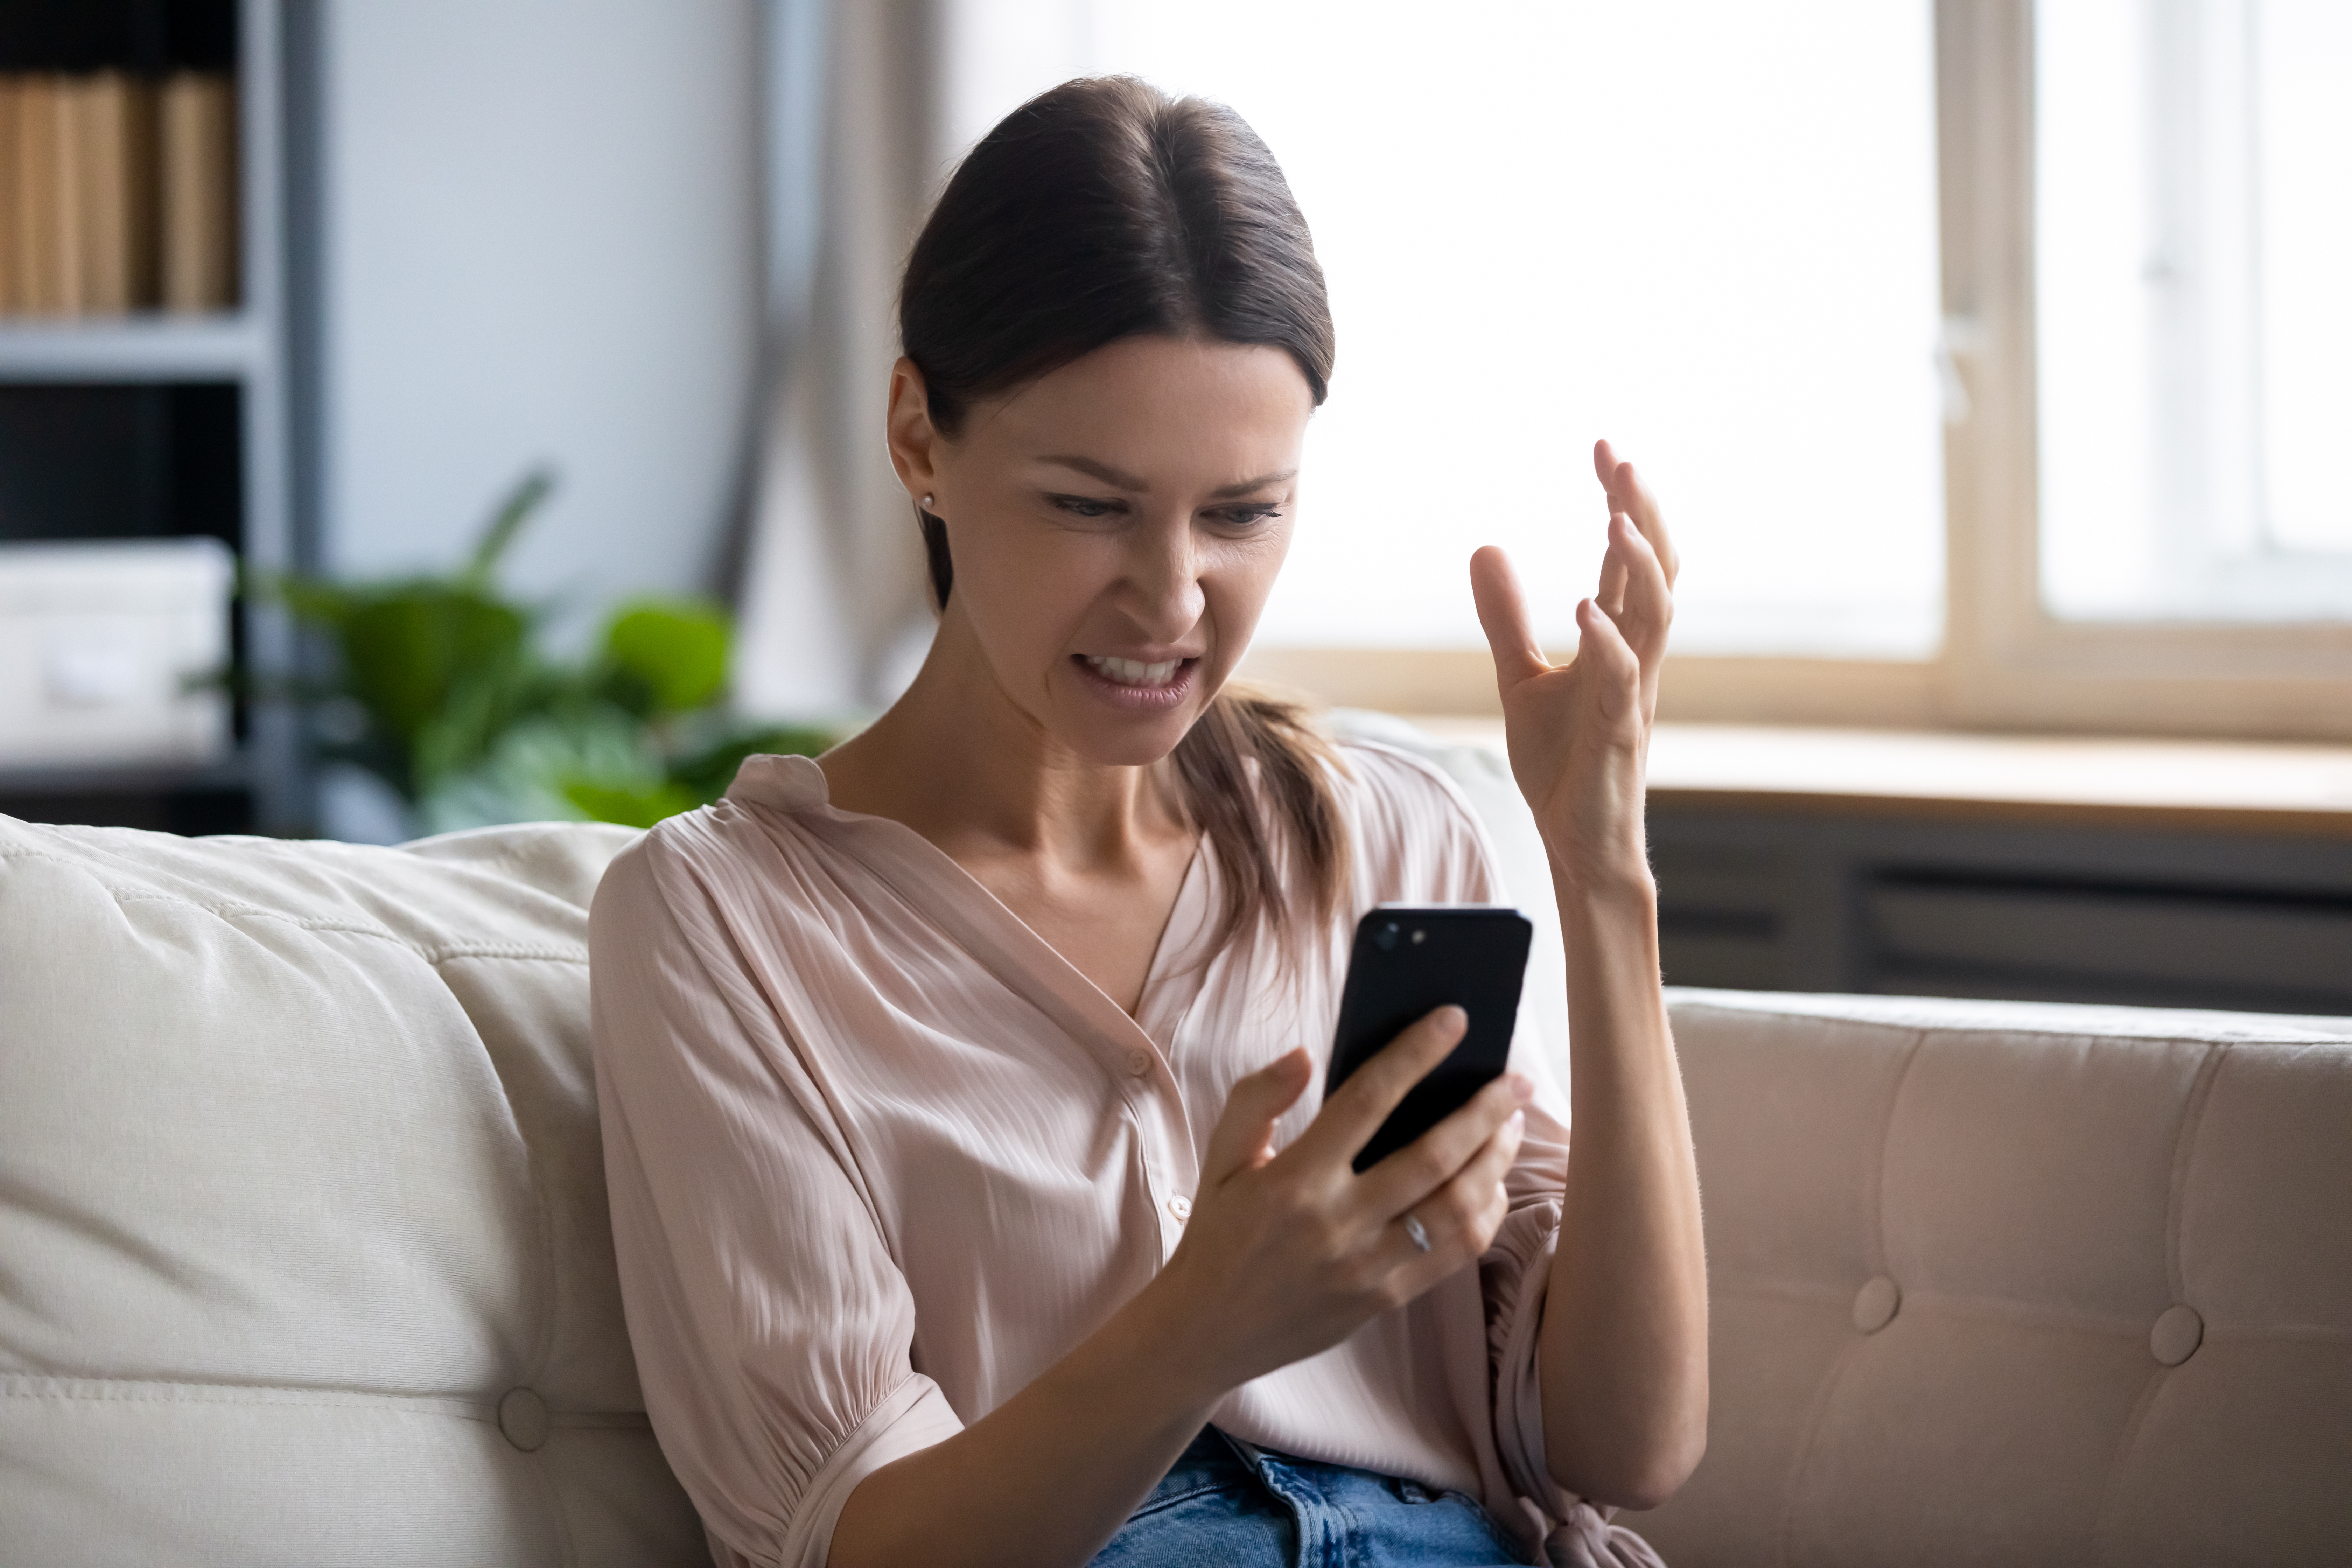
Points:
(1624, 1330)
(1580, 732)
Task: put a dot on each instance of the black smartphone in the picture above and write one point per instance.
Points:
(1407, 962)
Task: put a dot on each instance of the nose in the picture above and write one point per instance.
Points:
(1163, 578)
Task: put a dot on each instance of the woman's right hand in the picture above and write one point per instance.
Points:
(1286, 1255)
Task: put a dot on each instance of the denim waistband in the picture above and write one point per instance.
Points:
(1232, 1504)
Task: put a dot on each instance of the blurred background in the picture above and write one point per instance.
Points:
(420, 415)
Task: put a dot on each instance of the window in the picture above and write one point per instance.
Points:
(2193, 214)
(1541, 229)
(1990, 357)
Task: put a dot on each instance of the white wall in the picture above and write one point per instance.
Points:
(541, 245)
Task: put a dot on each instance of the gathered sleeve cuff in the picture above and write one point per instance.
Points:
(1515, 1275)
(914, 1417)
(771, 1324)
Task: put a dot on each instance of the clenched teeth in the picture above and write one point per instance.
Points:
(1133, 672)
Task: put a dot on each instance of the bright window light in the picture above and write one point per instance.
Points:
(2194, 236)
(1704, 230)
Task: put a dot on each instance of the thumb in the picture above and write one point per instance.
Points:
(1503, 612)
(1244, 1136)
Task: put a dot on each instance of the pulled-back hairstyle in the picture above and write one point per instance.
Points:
(1103, 210)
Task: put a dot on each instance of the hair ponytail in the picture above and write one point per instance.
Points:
(1245, 731)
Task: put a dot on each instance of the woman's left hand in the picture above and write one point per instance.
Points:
(1580, 732)
(1623, 1346)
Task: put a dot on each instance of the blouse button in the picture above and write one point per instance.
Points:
(1138, 1062)
(1180, 1207)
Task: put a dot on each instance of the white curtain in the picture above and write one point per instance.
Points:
(834, 613)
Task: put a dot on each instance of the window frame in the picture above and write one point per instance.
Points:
(2006, 662)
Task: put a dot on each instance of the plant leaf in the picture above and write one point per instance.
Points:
(528, 494)
(406, 649)
(667, 656)
(631, 807)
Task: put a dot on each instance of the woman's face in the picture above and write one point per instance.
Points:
(1116, 526)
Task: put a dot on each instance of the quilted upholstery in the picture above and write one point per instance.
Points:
(303, 1249)
(299, 1179)
(2020, 1284)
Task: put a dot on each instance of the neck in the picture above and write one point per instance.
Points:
(958, 761)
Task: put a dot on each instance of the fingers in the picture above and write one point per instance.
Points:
(1616, 572)
(1646, 604)
(1609, 664)
(1503, 612)
(1459, 1219)
(1410, 1175)
(1629, 495)
(1354, 1111)
(1637, 577)
(1243, 1139)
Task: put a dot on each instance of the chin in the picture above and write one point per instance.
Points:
(1135, 743)
(1116, 725)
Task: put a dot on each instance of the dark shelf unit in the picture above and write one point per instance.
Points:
(1919, 903)
(155, 426)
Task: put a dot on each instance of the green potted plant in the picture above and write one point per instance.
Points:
(440, 685)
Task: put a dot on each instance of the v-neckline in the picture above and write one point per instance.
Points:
(961, 903)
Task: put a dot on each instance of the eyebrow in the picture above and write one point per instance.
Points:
(1127, 482)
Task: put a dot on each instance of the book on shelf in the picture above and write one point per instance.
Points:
(118, 193)
(199, 192)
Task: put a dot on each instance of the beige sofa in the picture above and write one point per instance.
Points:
(303, 1254)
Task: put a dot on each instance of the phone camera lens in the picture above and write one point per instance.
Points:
(1385, 939)
(1419, 936)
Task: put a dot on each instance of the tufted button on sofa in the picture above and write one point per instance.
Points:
(1993, 1283)
(303, 1249)
(304, 1254)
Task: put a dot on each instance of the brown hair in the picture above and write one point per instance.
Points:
(1102, 210)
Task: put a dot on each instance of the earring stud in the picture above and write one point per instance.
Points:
(929, 503)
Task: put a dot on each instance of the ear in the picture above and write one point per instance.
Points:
(914, 443)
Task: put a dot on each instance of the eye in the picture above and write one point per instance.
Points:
(1249, 515)
(1086, 506)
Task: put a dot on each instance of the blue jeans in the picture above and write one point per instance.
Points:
(1227, 1505)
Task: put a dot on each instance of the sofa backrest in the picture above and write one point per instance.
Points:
(2019, 1284)
(303, 1249)
(304, 1255)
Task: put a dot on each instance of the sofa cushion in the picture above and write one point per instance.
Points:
(2019, 1283)
(299, 1185)
(299, 1179)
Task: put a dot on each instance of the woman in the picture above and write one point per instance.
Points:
(974, 1196)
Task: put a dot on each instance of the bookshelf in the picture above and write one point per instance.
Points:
(155, 423)
(152, 349)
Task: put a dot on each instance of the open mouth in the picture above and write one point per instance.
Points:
(1134, 672)
(1137, 686)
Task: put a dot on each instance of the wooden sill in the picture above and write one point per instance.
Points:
(2228, 787)
(2123, 691)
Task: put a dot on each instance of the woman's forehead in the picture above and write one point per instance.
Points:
(1148, 407)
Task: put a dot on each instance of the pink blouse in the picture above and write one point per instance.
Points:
(878, 1156)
